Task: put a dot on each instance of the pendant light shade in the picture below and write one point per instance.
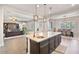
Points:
(50, 13)
(35, 16)
(44, 16)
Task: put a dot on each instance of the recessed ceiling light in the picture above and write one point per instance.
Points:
(37, 5)
(73, 4)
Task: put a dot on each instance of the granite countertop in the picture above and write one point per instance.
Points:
(46, 36)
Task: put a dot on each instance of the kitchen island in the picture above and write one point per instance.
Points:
(16, 44)
(44, 44)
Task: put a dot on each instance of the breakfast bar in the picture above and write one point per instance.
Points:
(44, 43)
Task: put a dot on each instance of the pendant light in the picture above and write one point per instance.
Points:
(35, 17)
(50, 12)
(50, 19)
(44, 16)
(44, 19)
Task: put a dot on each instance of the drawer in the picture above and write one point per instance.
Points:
(44, 47)
(34, 47)
(44, 43)
(51, 45)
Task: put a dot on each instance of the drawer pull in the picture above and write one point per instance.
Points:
(44, 45)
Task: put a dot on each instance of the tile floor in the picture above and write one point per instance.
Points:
(14, 46)
(68, 45)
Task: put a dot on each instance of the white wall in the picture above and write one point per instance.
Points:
(1, 27)
(72, 17)
(74, 20)
(13, 12)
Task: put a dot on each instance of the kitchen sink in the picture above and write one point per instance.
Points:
(40, 36)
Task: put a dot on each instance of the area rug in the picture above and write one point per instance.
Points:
(60, 49)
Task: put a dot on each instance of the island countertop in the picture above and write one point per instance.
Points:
(45, 36)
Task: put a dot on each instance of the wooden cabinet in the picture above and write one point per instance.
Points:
(45, 47)
(34, 47)
(39, 48)
(51, 44)
(59, 39)
(56, 41)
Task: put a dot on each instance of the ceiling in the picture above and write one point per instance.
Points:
(29, 10)
(56, 8)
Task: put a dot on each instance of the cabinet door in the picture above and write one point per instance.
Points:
(59, 39)
(51, 45)
(34, 47)
(56, 42)
(44, 47)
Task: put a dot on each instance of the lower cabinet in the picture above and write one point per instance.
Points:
(45, 47)
(34, 47)
(51, 45)
(56, 42)
(39, 48)
(59, 40)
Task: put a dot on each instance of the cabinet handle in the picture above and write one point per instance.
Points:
(44, 45)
